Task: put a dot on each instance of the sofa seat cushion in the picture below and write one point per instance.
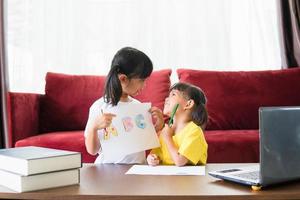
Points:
(68, 140)
(232, 146)
(233, 98)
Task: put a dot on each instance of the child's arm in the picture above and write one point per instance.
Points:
(92, 142)
(158, 118)
(178, 159)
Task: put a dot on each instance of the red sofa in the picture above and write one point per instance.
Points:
(57, 118)
(233, 102)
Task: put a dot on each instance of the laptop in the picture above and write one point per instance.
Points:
(279, 129)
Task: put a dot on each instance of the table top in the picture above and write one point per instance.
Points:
(105, 181)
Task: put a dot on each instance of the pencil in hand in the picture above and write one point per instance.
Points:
(171, 121)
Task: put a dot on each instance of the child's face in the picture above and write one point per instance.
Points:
(133, 86)
(175, 97)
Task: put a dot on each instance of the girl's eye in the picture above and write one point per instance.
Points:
(172, 94)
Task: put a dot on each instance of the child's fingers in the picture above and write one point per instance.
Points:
(108, 117)
(154, 156)
(154, 160)
(154, 109)
(111, 115)
(156, 112)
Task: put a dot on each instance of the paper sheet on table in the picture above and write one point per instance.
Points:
(166, 170)
(131, 131)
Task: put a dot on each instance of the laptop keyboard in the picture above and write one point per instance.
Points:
(249, 175)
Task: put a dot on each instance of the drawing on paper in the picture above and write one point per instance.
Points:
(140, 121)
(127, 123)
(111, 130)
(105, 135)
(135, 131)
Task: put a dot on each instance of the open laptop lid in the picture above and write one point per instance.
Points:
(279, 129)
(279, 144)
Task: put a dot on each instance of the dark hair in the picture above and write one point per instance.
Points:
(199, 112)
(131, 62)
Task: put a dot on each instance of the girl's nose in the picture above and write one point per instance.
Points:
(166, 99)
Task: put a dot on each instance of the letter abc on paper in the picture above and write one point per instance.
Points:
(127, 123)
(140, 121)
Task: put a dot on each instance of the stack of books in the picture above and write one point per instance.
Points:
(32, 168)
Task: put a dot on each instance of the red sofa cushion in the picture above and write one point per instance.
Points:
(67, 98)
(67, 140)
(232, 146)
(156, 88)
(235, 97)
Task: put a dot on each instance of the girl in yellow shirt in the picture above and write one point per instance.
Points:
(183, 142)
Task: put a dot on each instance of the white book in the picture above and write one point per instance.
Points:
(34, 160)
(20, 183)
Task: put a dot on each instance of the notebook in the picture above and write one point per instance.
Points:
(279, 129)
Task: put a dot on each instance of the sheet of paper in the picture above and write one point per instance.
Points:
(131, 131)
(166, 170)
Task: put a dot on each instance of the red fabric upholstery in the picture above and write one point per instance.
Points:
(23, 115)
(156, 88)
(67, 100)
(233, 102)
(237, 146)
(65, 140)
(234, 97)
(51, 120)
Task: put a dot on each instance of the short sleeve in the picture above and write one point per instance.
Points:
(194, 147)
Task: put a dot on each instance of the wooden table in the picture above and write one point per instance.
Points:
(110, 182)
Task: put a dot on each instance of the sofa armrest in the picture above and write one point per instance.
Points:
(23, 115)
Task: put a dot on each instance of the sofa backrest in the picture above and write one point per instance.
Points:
(67, 99)
(235, 97)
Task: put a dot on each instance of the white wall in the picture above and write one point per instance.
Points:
(81, 36)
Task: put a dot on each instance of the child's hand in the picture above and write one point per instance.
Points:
(152, 159)
(103, 121)
(158, 118)
(167, 132)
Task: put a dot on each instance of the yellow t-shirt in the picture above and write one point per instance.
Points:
(191, 144)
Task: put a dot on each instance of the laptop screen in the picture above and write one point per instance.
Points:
(279, 144)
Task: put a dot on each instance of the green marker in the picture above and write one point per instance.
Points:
(173, 114)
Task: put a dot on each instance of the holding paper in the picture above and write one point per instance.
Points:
(117, 125)
(131, 131)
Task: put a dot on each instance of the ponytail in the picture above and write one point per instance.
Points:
(200, 115)
(113, 88)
